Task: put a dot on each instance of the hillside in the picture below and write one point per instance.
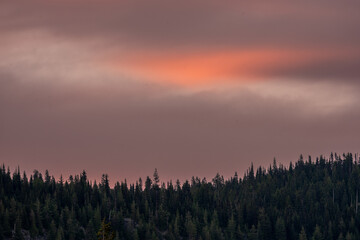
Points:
(311, 199)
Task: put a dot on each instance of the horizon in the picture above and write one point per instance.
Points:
(189, 88)
(240, 176)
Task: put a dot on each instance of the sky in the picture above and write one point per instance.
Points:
(191, 88)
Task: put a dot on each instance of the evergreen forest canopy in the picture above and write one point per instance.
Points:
(311, 199)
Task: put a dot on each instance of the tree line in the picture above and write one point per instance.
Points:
(310, 199)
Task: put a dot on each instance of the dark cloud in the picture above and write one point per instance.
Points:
(183, 23)
(343, 67)
(124, 27)
(332, 69)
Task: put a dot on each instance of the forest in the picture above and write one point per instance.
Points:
(309, 199)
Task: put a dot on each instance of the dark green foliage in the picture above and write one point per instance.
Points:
(317, 234)
(309, 200)
(190, 227)
(253, 234)
(341, 237)
(231, 229)
(6, 229)
(264, 226)
(302, 234)
(18, 233)
(280, 229)
(105, 232)
(60, 234)
(90, 232)
(52, 232)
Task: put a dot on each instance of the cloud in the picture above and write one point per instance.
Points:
(241, 65)
(199, 41)
(75, 91)
(127, 131)
(164, 23)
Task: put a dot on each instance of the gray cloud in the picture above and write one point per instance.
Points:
(164, 23)
(334, 69)
(124, 27)
(130, 130)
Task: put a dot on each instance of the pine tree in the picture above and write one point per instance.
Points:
(253, 234)
(135, 235)
(156, 177)
(105, 232)
(60, 234)
(280, 229)
(33, 229)
(97, 218)
(18, 235)
(53, 231)
(330, 234)
(154, 237)
(349, 236)
(341, 237)
(117, 236)
(206, 233)
(264, 226)
(317, 235)
(215, 230)
(190, 227)
(162, 218)
(302, 235)
(90, 231)
(6, 224)
(231, 228)
(177, 227)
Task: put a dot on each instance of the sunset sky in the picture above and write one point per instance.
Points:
(187, 87)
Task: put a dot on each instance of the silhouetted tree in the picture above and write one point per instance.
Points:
(309, 200)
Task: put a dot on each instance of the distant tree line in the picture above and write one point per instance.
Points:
(311, 199)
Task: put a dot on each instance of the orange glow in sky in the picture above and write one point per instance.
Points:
(212, 67)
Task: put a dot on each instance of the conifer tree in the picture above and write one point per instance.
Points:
(60, 234)
(190, 227)
(90, 231)
(6, 224)
(18, 235)
(105, 232)
(317, 235)
(280, 229)
(261, 204)
(53, 231)
(231, 229)
(33, 229)
(302, 234)
(264, 226)
(206, 233)
(156, 177)
(253, 234)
